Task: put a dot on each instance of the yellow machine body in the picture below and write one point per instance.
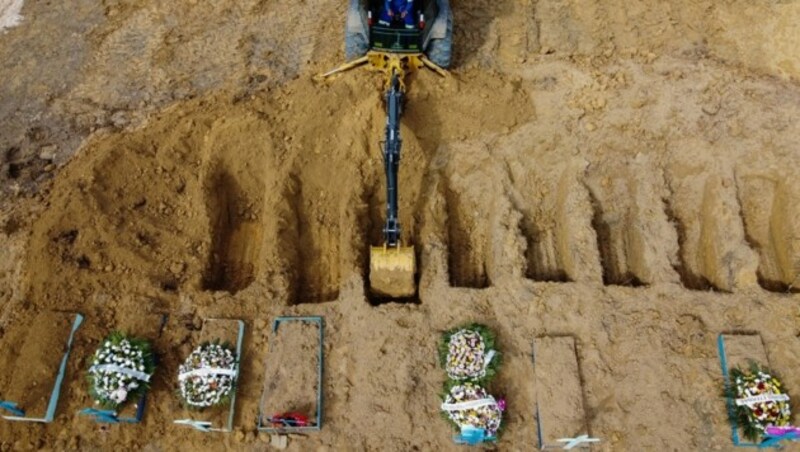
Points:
(392, 271)
(388, 63)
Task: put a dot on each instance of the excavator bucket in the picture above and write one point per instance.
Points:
(392, 270)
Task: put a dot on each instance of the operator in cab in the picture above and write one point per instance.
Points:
(398, 10)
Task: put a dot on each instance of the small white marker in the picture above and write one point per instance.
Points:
(577, 441)
(9, 13)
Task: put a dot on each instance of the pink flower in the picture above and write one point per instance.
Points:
(119, 395)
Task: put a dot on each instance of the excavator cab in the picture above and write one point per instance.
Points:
(395, 36)
(431, 36)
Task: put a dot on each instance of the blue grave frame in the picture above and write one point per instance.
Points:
(18, 414)
(769, 442)
(207, 426)
(262, 419)
(537, 412)
(112, 416)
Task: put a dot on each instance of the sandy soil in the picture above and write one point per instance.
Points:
(618, 172)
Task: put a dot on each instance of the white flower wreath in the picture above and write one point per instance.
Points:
(467, 357)
(208, 375)
(121, 369)
(470, 405)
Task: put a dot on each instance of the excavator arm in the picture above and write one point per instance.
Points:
(392, 266)
(391, 160)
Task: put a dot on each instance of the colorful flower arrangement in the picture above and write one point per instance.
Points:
(467, 354)
(760, 400)
(469, 405)
(120, 370)
(208, 376)
(468, 357)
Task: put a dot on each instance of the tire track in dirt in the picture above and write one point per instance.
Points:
(492, 32)
(298, 37)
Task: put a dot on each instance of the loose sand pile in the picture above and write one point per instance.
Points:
(621, 174)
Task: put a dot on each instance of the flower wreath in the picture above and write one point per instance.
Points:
(467, 354)
(469, 405)
(208, 375)
(760, 400)
(120, 370)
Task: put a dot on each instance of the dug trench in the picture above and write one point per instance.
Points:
(321, 236)
(767, 212)
(412, 178)
(636, 242)
(703, 204)
(316, 221)
(237, 164)
(236, 235)
(254, 180)
(555, 213)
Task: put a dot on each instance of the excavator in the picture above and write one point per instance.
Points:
(395, 45)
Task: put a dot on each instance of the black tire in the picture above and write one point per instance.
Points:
(356, 31)
(356, 45)
(440, 51)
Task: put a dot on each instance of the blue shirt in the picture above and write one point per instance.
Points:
(399, 6)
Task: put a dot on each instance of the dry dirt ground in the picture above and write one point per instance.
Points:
(619, 172)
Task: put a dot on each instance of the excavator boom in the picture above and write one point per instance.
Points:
(392, 266)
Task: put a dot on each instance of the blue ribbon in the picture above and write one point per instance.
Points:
(472, 436)
(774, 440)
(12, 408)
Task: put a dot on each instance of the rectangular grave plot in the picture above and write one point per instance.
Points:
(41, 364)
(148, 327)
(293, 376)
(739, 350)
(559, 394)
(229, 332)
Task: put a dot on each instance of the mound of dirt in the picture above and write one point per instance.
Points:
(620, 174)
